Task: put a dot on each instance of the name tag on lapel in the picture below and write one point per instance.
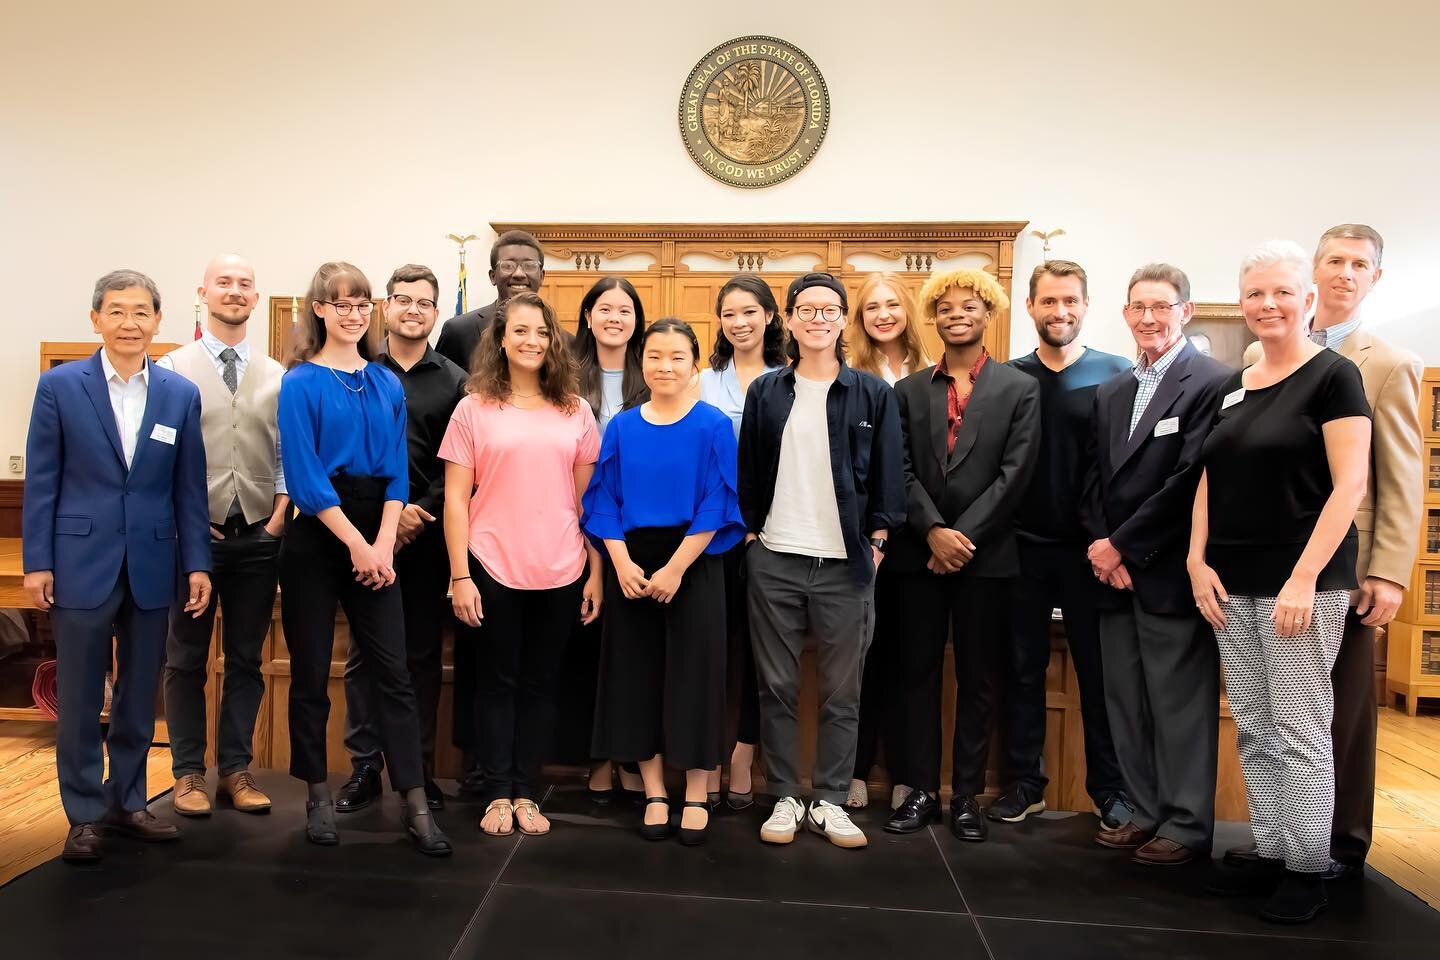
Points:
(1166, 427)
(163, 433)
(1232, 398)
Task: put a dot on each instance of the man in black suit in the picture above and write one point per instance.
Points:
(1161, 673)
(517, 264)
(972, 438)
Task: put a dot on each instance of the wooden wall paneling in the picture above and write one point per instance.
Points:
(12, 502)
(56, 352)
(282, 324)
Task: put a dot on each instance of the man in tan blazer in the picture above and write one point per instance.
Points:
(1347, 267)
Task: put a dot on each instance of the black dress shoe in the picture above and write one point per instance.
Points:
(1339, 872)
(918, 810)
(1256, 878)
(361, 790)
(657, 831)
(966, 821)
(694, 836)
(83, 845)
(427, 836)
(320, 824)
(434, 798)
(1115, 811)
(1240, 856)
(1298, 899)
(473, 785)
(140, 825)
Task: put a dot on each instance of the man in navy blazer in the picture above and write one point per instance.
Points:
(115, 510)
(1161, 672)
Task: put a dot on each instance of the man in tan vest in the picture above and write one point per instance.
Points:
(1347, 267)
(239, 390)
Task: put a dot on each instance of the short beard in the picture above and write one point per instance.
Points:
(1044, 331)
(227, 321)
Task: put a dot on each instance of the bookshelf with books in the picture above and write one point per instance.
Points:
(1412, 670)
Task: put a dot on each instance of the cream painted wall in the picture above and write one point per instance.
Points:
(154, 135)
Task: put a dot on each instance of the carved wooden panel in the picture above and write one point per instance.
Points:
(55, 352)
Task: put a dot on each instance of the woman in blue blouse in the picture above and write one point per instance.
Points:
(342, 428)
(751, 342)
(664, 503)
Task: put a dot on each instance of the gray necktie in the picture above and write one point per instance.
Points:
(228, 356)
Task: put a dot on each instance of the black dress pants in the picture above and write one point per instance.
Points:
(880, 690)
(931, 609)
(246, 565)
(315, 575)
(516, 652)
(1056, 575)
(1352, 732)
(742, 693)
(422, 572)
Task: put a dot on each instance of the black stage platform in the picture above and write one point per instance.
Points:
(243, 886)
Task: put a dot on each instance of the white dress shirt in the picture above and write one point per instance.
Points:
(127, 400)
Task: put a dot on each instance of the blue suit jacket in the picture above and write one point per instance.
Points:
(85, 514)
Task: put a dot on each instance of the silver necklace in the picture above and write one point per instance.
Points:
(342, 382)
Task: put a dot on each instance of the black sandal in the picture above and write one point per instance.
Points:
(320, 823)
(432, 841)
(692, 837)
(656, 831)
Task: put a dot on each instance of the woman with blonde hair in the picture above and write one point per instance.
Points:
(883, 335)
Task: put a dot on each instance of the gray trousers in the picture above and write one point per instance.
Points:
(788, 595)
(1162, 694)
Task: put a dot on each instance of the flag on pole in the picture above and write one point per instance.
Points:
(461, 299)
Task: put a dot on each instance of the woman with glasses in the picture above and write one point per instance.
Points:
(1272, 563)
(750, 343)
(342, 430)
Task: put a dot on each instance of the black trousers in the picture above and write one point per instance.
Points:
(246, 565)
(422, 572)
(1352, 732)
(931, 609)
(1056, 576)
(517, 651)
(742, 693)
(881, 692)
(662, 665)
(315, 575)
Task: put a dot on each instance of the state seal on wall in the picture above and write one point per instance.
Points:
(754, 111)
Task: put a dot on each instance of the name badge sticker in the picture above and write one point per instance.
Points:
(163, 433)
(1166, 427)
(1232, 398)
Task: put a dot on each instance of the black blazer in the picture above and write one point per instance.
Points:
(1140, 488)
(461, 335)
(978, 488)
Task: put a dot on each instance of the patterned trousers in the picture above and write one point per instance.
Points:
(1281, 699)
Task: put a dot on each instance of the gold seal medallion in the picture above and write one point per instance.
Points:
(754, 111)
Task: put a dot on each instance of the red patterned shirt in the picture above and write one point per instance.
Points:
(954, 403)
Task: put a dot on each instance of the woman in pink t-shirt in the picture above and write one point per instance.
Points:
(519, 451)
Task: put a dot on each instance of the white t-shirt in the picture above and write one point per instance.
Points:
(804, 517)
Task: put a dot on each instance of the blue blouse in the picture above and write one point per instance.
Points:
(612, 397)
(336, 422)
(679, 474)
(721, 389)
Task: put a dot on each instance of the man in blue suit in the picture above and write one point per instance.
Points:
(115, 510)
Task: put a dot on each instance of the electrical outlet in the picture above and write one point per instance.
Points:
(17, 464)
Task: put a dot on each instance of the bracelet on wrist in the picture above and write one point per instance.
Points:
(458, 579)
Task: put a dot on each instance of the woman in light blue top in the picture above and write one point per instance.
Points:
(750, 343)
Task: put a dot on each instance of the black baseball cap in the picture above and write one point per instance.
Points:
(815, 280)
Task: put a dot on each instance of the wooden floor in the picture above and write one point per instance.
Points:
(1407, 799)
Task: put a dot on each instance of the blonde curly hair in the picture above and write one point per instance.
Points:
(986, 287)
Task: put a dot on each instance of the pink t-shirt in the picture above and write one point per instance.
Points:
(524, 523)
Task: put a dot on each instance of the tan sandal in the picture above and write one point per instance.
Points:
(525, 813)
(507, 814)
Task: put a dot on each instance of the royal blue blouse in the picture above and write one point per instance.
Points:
(334, 422)
(677, 475)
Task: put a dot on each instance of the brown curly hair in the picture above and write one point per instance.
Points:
(491, 379)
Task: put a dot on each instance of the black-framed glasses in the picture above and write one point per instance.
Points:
(1161, 311)
(343, 307)
(508, 266)
(830, 313)
(403, 302)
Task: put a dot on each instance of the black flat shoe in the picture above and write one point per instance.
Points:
(740, 801)
(1298, 899)
(712, 801)
(427, 836)
(657, 831)
(600, 798)
(918, 810)
(362, 789)
(320, 824)
(692, 837)
(1254, 878)
(966, 821)
(1339, 872)
(1241, 856)
(434, 798)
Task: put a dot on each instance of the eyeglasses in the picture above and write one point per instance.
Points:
(830, 313)
(508, 266)
(403, 302)
(1161, 311)
(343, 308)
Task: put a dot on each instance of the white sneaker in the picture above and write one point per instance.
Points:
(835, 824)
(780, 828)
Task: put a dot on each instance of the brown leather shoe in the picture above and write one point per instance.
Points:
(191, 800)
(140, 825)
(82, 845)
(1127, 837)
(240, 788)
(1162, 853)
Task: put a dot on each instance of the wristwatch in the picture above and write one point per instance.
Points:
(878, 543)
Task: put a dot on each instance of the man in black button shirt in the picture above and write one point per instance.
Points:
(1054, 570)
(517, 264)
(433, 386)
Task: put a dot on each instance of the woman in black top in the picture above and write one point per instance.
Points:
(1272, 561)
